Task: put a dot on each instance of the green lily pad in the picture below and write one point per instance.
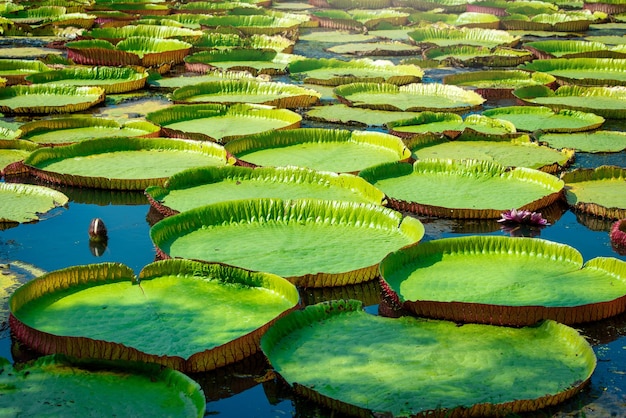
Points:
(232, 40)
(510, 152)
(340, 113)
(335, 150)
(515, 281)
(569, 48)
(16, 70)
(334, 72)
(498, 83)
(533, 118)
(449, 124)
(280, 95)
(583, 71)
(116, 34)
(473, 189)
(14, 150)
(382, 48)
(598, 141)
(411, 367)
(122, 163)
(134, 51)
(221, 123)
(562, 21)
(42, 99)
(410, 97)
(599, 192)
(111, 79)
(608, 102)
(68, 386)
(103, 311)
(301, 239)
(26, 203)
(446, 35)
(64, 131)
(172, 83)
(255, 61)
(336, 37)
(254, 24)
(477, 56)
(201, 186)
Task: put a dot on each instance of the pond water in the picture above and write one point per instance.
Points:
(245, 389)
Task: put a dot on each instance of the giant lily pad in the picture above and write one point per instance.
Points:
(44, 99)
(410, 97)
(281, 95)
(583, 71)
(564, 21)
(255, 24)
(498, 83)
(255, 61)
(301, 240)
(111, 79)
(334, 72)
(233, 40)
(68, 386)
(135, 50)
(172, 83)
(117, 34)
(449, 124)
(122, 163)
(26, 203)
(510, 152)
(336, 150)
(15, 71)
(532, 118)
(382, 48)
(599, 192)
(598, 141)
(14, 150)
(477, 56)
(340, 113)
(473, 189)
(201, 186)
(504, 281)
(445, 35)
(378, 366)
(608, 102)
(64, 131)
(222, 123)
(148, 318)
(569, 49)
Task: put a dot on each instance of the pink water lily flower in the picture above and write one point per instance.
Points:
(524, 217)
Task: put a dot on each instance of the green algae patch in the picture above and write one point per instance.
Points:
(66, 386)
(414, 367)
(187, 315)
(301, 240)
(205, 185)
(504, 281)
(467, 189)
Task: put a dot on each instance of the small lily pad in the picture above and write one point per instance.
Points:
(599, 192)
(474, 189)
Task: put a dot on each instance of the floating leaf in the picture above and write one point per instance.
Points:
(599, 192)
(25, 202)
(112, 80)
(533, 118)
(43, 99)
(598, 141)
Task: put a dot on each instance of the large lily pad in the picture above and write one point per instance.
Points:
(378, 366)
(335, 150)
(608, 102)
(583, 71)
(122, 163)
(187, 315)
(498, 83)
(232, 40)
(114, 35)
(504, 281)
(600, 191)
(340, 113)
(68, 385)
(445, 35)
(450, 124)
(42, 99)
(410, 97)
(206, 185)
(254, 24)
(477, 56)
(598, 141)
(255, 61)
(562, 21)
(64, 131)
(111, 79)
(473, 189)
(280, 95)
(135, 50)
(15, 71)
(334, 72)
(26, 203)
(569, 48)
(222, 123)
(533, 118)
(381, 48)
(300, 240)
(13, 151)
(518, 151)
(172, 83)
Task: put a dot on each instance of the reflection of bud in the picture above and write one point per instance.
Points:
(97, 230)
(98, 247)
